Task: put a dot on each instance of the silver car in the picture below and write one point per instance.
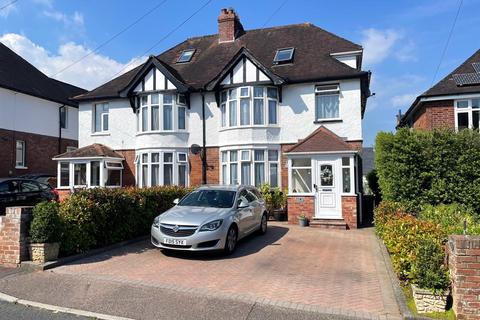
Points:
(211, 218)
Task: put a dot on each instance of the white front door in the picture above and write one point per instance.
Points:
(327, 189)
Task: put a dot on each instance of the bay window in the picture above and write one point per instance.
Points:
(162, 168)
(467, 114)
(104, 172)
(327, 102)
(247, 106)
(80, 174)
(161, 112)
(301, 175)
(250, 167)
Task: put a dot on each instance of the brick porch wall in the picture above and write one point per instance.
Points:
(298, 205)
(464, 264)
(284, 165)
(349, 211)
(128, 175)
(213, 167)
(40, 150)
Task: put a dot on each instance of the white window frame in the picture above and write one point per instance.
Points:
(23, 163)
(148, 111)
(225, 108)
(59, 175)
(468, 110)
(290, 176)
(176, 162)
(179, 60)
(352, 174)
(324, 91)
(102, 118)
(290, 58)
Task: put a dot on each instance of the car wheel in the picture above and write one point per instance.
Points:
(263, 225)
(231, 241)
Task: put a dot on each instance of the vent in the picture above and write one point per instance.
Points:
(465, 79)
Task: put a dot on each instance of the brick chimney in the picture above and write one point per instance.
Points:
(229, 26)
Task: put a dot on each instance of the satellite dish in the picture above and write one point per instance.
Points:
(195, 149)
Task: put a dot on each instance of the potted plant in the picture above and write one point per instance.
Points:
(302, 220)
(430, 278)
(279, 198)
(45, 232)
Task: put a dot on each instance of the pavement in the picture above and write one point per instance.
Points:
(290, 273)
(11, 311)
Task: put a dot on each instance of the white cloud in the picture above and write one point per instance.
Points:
(46, 3)
(6, 11)
(403, 100)
(89, 73)
(75, 19)
(378, 44)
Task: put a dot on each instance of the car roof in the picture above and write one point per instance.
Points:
(15, 179)
(229, 187)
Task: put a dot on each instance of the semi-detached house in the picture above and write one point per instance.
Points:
(280, 105)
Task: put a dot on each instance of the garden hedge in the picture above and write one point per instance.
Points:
(419, 167)
(96, 217)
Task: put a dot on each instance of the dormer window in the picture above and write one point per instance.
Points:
(284, 55)
(186, 56)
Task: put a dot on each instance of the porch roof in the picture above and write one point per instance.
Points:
(95, 150)
(321, 140)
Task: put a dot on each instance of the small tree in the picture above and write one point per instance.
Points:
(429, 271)
(46, 224)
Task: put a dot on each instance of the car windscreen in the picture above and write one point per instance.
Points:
(209, 198)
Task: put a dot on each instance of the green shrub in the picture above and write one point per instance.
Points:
(429, 167)
(46, 225)
(429, 271)
(384, 212)
(451, 218)
(274, 198)
(100, 216)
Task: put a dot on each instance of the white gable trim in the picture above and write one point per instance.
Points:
(154, 80)
(243, 72)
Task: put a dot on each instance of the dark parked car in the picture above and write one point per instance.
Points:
(42, 178)
(23, 192)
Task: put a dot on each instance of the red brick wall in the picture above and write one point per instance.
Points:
(39, 152)
(213, 167)
(435, 115)
(228, 25)
(464, 264)
(357, 145)
(128, 175)
(284, 165)
(349, 211)
(13, 236)
(298, 205)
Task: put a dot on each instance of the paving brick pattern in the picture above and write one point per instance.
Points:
(332, 270)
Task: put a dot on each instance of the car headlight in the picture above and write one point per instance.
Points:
(211, 226)
(156, 222)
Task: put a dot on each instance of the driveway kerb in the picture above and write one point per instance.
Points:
(94, 315)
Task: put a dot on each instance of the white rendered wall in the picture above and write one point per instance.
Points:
(351, 61)
(21, 112)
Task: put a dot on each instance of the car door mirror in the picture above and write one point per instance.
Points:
(242, 203)
(176, 201)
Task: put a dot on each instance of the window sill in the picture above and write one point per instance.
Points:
(276, 126)
(99, 134)
(162, 132)
(21, 167)
(327, 121)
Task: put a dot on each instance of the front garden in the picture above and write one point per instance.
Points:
(430, 186)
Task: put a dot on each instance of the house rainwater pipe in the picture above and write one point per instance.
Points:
(204, 141)
(60, 129)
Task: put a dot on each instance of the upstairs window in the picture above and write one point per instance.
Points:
(186, 56)
(63, 117)
(159, 112)
(284, 55)
(327, 102)
(101, 117)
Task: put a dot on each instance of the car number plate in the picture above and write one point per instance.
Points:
(176, 242)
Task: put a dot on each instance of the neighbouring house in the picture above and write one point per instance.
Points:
(454, 102)
(37, 118)
(280, 105)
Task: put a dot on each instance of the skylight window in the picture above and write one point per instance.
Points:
(284, 55)
(186, 56)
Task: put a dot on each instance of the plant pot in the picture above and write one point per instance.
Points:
(279, 214)
(427, 301)
(43, 252)
(302, 222)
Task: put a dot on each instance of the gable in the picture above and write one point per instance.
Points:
(154, 80)
(320, 141)
(244, 71)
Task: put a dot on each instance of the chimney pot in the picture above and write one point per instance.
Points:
(229, 26)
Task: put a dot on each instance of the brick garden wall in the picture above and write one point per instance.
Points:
(39, 152)
(464, 264)
(13, 235)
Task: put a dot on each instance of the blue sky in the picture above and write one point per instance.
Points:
(403, 40)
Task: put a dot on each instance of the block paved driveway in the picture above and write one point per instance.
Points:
(335, 270)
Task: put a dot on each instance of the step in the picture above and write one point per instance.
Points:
(328, 224)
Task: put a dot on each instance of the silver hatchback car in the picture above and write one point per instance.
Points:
(211, 218)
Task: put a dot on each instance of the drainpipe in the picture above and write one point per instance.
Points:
(204, 149)
(60, 129)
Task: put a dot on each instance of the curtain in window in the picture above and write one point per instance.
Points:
(233, 113)
(258, 111)
(224, 174)
(167, 174)
(246, 173)
(224, 115)
(155, 118)
(181, 118)
(95, 173)
(182, 175)
(327, 106)
(167, 117)
(233, 173)
(144, 175)
(259, 174)
(80, 174)
(274, 174)
(98, 117)
(64, 174)
(144, 119)
(155, 174)
(244, 112)
(272, 112)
